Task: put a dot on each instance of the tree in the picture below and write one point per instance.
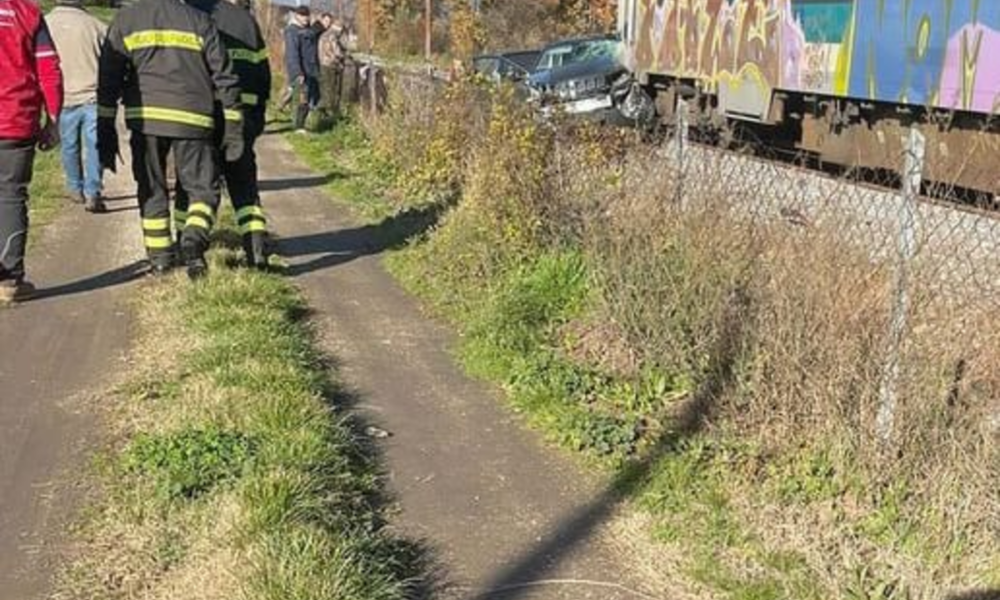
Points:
(466, 32)
(588, 16)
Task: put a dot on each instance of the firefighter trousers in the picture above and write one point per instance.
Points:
(195, 165)
(240, 178)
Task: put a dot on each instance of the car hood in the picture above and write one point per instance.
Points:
(591, 68)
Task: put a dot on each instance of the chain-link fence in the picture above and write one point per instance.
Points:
(956, 247)
(938, 257)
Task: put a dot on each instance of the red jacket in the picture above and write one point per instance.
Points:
(29, 70)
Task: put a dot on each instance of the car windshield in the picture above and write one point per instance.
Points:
(569, 54)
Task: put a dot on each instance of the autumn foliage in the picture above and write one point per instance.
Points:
(460, 31)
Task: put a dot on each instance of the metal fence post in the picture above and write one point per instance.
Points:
(681, 132)
(372, 90)
(906, 247)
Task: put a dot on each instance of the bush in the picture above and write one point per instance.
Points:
(425, 139)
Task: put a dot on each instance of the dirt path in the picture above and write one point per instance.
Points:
(54, 350)
(508, 518)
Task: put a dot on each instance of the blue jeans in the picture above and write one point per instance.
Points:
(78, 130)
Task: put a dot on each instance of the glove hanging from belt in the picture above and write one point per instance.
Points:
(233, 144)
(107, 143)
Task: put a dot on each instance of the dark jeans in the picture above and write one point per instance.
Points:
(307, 94)
(194, 161)
(17, 158)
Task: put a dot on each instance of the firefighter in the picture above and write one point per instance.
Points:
(165, 61)
(244, 43)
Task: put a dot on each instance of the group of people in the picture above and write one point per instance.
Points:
(193, 78)
(309, 45)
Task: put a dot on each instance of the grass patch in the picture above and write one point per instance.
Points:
(237, 473)
(341, 153)
(45, 192)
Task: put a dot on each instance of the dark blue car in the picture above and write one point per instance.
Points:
(582, 76)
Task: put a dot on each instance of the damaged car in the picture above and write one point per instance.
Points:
(586, 77)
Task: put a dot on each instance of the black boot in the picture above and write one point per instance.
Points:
(94, 204)
(194, 262)
(162, 263)
(255, 247)
(160, 269)
(301, 115)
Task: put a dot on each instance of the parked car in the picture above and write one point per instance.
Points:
(586, 77)
(506, 66)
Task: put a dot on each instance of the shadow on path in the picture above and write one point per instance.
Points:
(119, 276)
(117, 209)
(292, 183)
(121, 198)
(977, 595)
(334, 248)
(278, 130)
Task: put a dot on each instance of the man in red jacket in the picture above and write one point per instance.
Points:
(30, 82)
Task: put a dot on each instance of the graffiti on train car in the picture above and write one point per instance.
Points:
(925, 52)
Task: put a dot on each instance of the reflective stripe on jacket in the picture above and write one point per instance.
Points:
(166, 62)
(244, 42)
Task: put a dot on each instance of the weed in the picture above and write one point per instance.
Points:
(189, 463)
(606, 434)
(807, 477)
(45, 191)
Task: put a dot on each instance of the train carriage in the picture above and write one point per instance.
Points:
(840, 77)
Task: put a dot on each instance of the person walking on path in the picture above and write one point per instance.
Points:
(166, 61)
(302, 65)
(245, 45)
(30, 84)
(78, 37)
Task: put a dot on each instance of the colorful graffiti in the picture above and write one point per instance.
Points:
(924, 52)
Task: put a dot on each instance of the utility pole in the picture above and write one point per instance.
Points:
(428, 28)
(371, 26)
(372, 98)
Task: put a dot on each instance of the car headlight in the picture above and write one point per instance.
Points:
(566, 90)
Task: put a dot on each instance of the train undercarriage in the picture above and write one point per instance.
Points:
(849, 136)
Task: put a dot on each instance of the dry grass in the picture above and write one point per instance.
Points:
(802, 374)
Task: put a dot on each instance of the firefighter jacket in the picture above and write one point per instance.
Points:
(245, 45)
(165, 61)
